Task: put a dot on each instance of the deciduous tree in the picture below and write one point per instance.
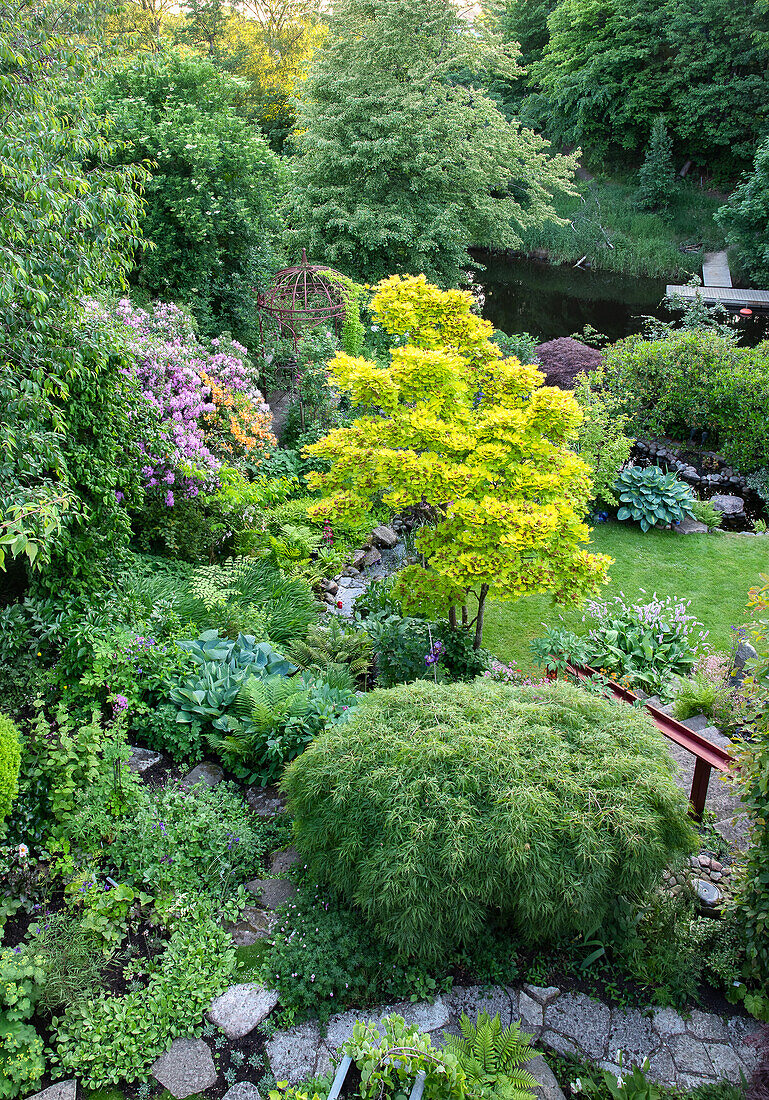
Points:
(399, 167)
(451, 424)
(210, 201)
(66, 231)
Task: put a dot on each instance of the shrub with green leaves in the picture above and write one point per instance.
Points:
(651, 497)
(108, 1039)
(10, 761)
(21, 1048)
(696, 381)
(601, 440)
(440, 808)
(170, 842)
(643, 644)
(392, 1053)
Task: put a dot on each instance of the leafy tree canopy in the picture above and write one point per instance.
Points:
(398, 166)
(452, 424)
(746, 217)
(610, 66)
(210, 202)
(65, 232)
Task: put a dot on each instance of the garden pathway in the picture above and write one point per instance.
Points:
(682, 1051)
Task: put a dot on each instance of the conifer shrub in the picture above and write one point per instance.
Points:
(10, 761)
(442, 809)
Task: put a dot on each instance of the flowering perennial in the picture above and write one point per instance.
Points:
(206, 399)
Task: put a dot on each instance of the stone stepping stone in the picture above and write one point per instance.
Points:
(696, 723)
(141, 760)
(254, 925)
(266, 801)
(62, 1090)
(207, 773)
(272, 893)
(689, 526)
(244, 1090)
(284, 860)
(547, 1087)
(241, 1008)
(186, 1068)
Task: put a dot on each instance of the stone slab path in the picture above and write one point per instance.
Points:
(682, 1052)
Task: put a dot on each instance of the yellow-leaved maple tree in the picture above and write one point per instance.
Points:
(452, 424)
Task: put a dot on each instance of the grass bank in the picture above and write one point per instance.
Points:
(713, 571)
(607, 227)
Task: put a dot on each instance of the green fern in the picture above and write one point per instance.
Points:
(334, 644)
(262, 704)
(241, 593)
(492, 1057)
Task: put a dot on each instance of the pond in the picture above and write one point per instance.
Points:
(522, 295)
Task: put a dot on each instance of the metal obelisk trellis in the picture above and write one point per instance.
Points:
(299, 299)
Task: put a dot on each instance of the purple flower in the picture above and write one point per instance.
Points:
(119, 702)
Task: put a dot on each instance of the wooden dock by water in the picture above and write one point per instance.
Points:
(728, 296)
(717, 286)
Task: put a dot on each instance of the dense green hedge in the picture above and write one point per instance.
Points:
(10, 760)
(697, 380)
(441, 808)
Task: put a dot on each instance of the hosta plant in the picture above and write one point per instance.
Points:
(652, 498)
(643, 644)
(223, 668)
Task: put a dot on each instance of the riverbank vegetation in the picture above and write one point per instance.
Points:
(604, 228)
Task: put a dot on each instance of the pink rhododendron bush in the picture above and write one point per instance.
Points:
(210, 409)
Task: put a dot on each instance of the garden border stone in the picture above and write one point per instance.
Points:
(681, 1051)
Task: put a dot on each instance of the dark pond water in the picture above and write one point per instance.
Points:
(531, 296)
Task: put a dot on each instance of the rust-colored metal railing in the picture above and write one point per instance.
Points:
(707, 755)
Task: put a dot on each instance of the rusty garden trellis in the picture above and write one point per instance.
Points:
(298, 299)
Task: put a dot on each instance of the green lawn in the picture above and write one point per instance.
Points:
(713, 571)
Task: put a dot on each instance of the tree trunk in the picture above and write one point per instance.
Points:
(479, 617)
(453, 617)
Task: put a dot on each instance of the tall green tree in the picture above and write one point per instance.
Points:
(210, 202)
(745, 217)
(657, 176)
(399, 168)
(68, 229)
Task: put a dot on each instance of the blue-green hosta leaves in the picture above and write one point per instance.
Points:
(224, 666)
(652, 497)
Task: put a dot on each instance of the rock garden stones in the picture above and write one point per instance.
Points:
(141, 760)
(728, 504)
(186, 1068)
(384, 538)
(254, 925)
(62, 1090)
(244, 1090)
(241, 1008)
(266, 801)
(207, 773)
(689, 526)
